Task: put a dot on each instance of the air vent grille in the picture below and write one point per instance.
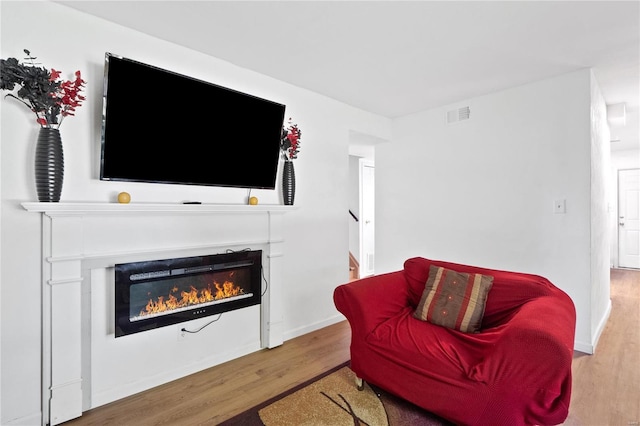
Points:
(459, 114)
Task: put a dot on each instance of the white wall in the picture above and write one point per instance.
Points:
(626, 159)
(316, 247)
(482, 191)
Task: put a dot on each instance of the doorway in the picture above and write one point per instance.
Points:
(362, 216)
(361, 211)
(629, 218)
(362, 152)
(367, 222)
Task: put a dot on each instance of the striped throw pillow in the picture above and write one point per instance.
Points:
(453, 299)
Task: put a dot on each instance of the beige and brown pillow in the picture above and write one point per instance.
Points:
(453, 299)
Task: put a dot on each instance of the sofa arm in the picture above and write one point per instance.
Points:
(370, 301)
(538, 336)
(532, 355)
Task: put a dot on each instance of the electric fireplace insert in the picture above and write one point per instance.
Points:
(159, 293)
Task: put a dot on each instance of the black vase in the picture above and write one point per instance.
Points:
(49, 165)
(288, 183)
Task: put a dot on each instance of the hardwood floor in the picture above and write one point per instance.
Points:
(606, 385)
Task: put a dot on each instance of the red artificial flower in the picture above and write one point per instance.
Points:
(54, 75)
(290, 143)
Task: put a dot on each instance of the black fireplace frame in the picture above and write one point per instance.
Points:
(129, 274)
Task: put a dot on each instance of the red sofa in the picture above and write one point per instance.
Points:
(515, 371)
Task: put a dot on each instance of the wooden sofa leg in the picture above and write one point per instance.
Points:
(359, 383)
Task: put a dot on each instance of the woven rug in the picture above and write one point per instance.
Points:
(332, 399)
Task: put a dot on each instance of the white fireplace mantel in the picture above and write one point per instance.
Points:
(79, 236)
(62, 209)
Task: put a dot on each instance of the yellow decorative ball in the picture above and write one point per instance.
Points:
(124, 198)
(253, 201)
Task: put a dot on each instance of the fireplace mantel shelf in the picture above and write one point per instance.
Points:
(138, 208)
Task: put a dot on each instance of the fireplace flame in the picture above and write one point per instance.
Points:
(191, 297)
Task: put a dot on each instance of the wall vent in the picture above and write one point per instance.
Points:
(459, 114)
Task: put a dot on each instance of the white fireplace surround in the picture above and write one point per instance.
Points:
(81, 242)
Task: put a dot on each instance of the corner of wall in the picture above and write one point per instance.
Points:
(590, 347)
(600, 213)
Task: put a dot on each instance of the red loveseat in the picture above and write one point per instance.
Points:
(515, 371)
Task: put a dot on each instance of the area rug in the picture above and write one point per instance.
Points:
(332, 399)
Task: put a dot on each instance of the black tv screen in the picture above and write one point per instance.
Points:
(163, 127)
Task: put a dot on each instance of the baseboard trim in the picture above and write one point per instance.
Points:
(601, 325)
(590, 348)
(585, 348)
(292, 334)
(30, 420)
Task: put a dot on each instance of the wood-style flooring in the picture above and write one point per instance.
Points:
(606, 385)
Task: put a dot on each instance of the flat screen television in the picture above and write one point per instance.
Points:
(163, 127)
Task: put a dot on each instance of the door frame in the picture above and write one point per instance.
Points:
(364, 270)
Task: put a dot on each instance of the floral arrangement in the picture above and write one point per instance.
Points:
(290, 141)
(42, 91)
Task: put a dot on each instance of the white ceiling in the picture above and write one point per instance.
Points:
(399, 57)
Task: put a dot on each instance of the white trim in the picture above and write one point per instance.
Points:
(601, 325)
(65, 281)
(30, 420)
(586, 348)
(590, 348)
(86, 209)
(156, 252)
(292, 334)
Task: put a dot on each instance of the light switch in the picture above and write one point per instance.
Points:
(560, 206)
